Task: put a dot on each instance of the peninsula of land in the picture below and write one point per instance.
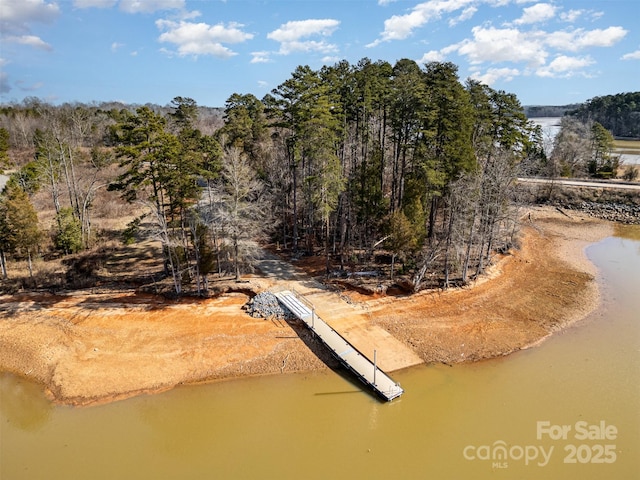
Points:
(89, 347)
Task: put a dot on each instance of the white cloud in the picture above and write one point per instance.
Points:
(399, 27)
(631, 56)
(138, 6)
(291, 35)
(531, 48)
(115, 46)
(600, 38)
(438, 55)
(431, 56)
(16, 17)
(307, 46)
(201, 38)
(18, 14)
(186, 15)
(497, 45)
(537, 13)
(94, 3)
(492, 75)
(466, 14)
(330, 59)
(150, 6)
(263, 84)
(29, 40)
(295, 30)
(571, 16)
(261, 57)
(504, 3)
(578, 39)
(564, 66)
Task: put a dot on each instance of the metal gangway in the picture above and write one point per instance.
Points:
(363, 368)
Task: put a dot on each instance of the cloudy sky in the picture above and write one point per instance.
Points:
(138, 51)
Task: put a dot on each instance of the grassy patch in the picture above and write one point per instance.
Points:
(631, 147)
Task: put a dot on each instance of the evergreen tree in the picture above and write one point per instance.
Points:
(163, 168)
(19, 232)
(603, 163)
(4, 148)
(67, 234)
(401, 238)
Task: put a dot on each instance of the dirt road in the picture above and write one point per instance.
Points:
(619, 185)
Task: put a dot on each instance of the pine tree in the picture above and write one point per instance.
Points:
(68, 232)
(19, 232)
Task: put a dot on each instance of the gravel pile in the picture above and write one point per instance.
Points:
(613, 211)
(266, 305)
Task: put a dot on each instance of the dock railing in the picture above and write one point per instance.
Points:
(352, 358)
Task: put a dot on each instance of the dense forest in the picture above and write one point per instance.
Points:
(537, 111)
(619, 114)
(397, 169)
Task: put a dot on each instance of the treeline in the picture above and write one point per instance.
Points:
(537, 111)
(342, 162)
(620, 113)
(583, 149)
(21, 120)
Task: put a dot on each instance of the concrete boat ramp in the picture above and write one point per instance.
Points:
(364, 369)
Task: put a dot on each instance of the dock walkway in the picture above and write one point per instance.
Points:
(366, 370)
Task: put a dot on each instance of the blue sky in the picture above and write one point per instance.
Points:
(138, 51)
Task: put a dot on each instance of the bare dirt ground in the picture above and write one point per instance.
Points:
(541, 288)
(90, 347)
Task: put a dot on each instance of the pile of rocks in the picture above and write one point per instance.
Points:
(613, 211)
(266, 305)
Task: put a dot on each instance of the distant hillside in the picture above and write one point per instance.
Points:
(537, 111)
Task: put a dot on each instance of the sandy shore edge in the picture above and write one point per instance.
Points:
(90, 349)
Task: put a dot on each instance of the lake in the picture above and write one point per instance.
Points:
(550, 128)
(566, 409)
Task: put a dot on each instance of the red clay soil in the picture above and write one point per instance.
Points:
(88, 348)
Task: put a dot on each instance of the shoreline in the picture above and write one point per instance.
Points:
(89, 349)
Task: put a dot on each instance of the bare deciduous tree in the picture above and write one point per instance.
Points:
(240, 208)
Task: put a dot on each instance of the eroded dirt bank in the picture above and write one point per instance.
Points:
(545, 286)
(95, 347)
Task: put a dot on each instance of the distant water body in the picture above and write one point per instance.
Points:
(551, 127)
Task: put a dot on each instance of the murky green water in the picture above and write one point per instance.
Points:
(450, 424)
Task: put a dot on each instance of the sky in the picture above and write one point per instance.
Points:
(552, 52)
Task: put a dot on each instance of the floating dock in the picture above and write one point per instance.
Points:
(363, 368)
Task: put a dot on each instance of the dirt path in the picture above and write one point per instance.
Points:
(615, 185)
(89, 347)
(352, 321)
